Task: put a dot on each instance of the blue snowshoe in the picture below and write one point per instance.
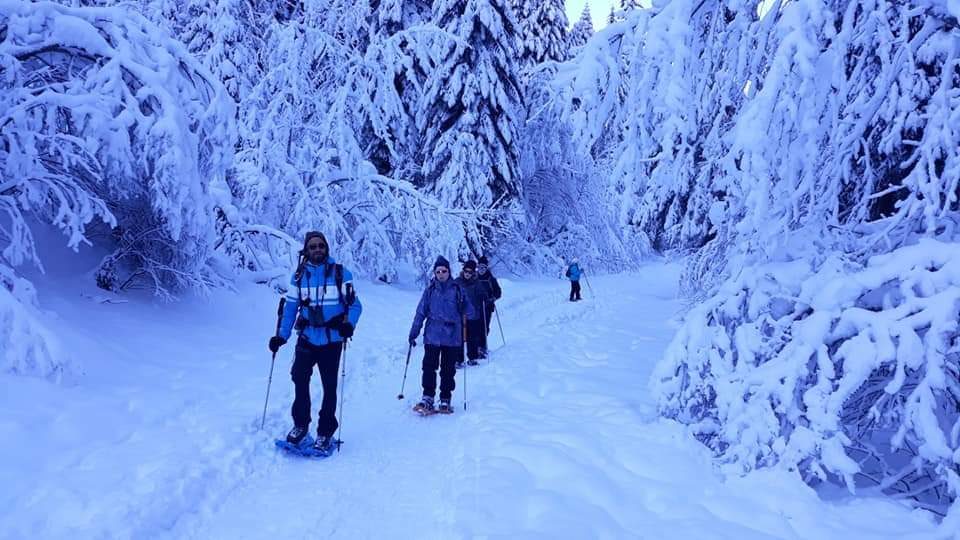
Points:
(299, 443)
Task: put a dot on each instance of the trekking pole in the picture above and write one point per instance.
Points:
(464, 365)
(349, 298)
(404, 383)
(485, 327)
(263, 420)
(497, 313)
(273, 359)
(588, 284)
(343, 379)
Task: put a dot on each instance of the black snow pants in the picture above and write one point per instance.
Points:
(574, 290)
(445, 358)
(327, 360)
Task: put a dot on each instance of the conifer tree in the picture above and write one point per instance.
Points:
(582, 30)
(471, 107)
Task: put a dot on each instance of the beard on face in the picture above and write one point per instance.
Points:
(317, 257)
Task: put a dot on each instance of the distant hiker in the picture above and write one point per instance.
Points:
(573, 272)
(486, 277)
(442, 306)
(477, 294)
(322, 306)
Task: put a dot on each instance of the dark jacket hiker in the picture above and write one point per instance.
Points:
(486, 276)
(478, 293)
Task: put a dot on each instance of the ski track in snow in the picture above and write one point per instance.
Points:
(560, 438)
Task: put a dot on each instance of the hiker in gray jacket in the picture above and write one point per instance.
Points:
(443, 307)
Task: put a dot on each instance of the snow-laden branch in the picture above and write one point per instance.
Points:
(835, 369)
(104, 120)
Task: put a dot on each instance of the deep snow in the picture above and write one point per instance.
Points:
(158, 438)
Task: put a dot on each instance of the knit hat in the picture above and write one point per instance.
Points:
(310, 236)
(470, 265)
(483, 260)
(441, 262)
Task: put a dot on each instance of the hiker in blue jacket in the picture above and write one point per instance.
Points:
(323, 307)
(442, 306)
(573, 272)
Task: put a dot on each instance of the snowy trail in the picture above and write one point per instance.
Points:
(560, 439)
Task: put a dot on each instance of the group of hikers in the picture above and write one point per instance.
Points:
(322, 306)
(457, 312)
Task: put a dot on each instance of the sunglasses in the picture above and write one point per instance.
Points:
(442, 271)
(468, 271)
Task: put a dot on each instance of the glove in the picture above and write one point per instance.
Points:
(346, 330)
(275, 343)
(412, 340)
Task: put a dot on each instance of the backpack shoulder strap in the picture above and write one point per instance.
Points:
(338, 278)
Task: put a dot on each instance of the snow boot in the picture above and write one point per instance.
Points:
(445, 407)
(297, 434)
(323, 445)
(425, 406)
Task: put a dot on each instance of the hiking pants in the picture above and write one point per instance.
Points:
(574, 290)
(445, 358)
(327, 360)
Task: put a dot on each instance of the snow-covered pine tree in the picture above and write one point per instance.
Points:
(469, 114)
(685, 181)
(397, 38)
(521, 12)
(170, 16)
(582, 30)
(324, 92)
(542, 31)
(628, 5)
(232, 54)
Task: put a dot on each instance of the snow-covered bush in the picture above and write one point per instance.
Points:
(829, 162)
(106, 121)
(27, 347)
(835, 369)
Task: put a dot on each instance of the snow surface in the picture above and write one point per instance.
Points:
(159, 438)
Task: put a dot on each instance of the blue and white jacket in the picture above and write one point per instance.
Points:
(318, 302)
